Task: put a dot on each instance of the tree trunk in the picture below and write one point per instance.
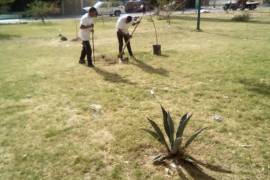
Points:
(43, 19)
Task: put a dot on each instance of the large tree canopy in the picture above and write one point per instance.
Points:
(2, 2)
(21, 5)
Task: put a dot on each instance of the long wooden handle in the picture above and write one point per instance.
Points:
(93, 47)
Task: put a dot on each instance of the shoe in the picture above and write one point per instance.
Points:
(120, 60)
(81, 62)
(133, 57)
(125, 60)
(91, 65)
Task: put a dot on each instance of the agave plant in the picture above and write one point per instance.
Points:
(176, 148)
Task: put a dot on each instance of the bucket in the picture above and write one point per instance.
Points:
(157, 49)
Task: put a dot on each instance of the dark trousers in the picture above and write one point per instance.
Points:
(121, 36)
(86, 51)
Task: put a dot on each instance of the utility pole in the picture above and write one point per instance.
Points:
(82, 4)
(62, 7)
(198, 4)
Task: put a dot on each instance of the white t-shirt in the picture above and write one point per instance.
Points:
(122, 25)
(86, 20)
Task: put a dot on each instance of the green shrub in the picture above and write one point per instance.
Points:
(244, 17)
(267, 1)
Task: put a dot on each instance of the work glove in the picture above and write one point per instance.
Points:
(136, 17)
(137, 22)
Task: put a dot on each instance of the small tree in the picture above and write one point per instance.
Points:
(171, 7)
(166, 7)
(40, 9)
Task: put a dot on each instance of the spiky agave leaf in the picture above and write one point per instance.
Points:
(171, 129)
(209, 166)
(160, 159)
(176, 145)
(168, 125)
(183, 122)
(159, 133)
(154, 135)
(191, 139)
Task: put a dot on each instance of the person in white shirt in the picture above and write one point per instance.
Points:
(122, 25)
(87, 26)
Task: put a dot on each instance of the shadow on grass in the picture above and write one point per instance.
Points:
(255, 86)
(112, 77)
(149, 69)
(8, 36)
(193, 18)
(194, 171)
(164, 55)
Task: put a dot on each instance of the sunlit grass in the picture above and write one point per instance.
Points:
(47, 130)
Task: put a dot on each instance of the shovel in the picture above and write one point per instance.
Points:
(93, 44)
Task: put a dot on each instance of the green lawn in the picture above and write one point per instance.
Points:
(48, 131)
